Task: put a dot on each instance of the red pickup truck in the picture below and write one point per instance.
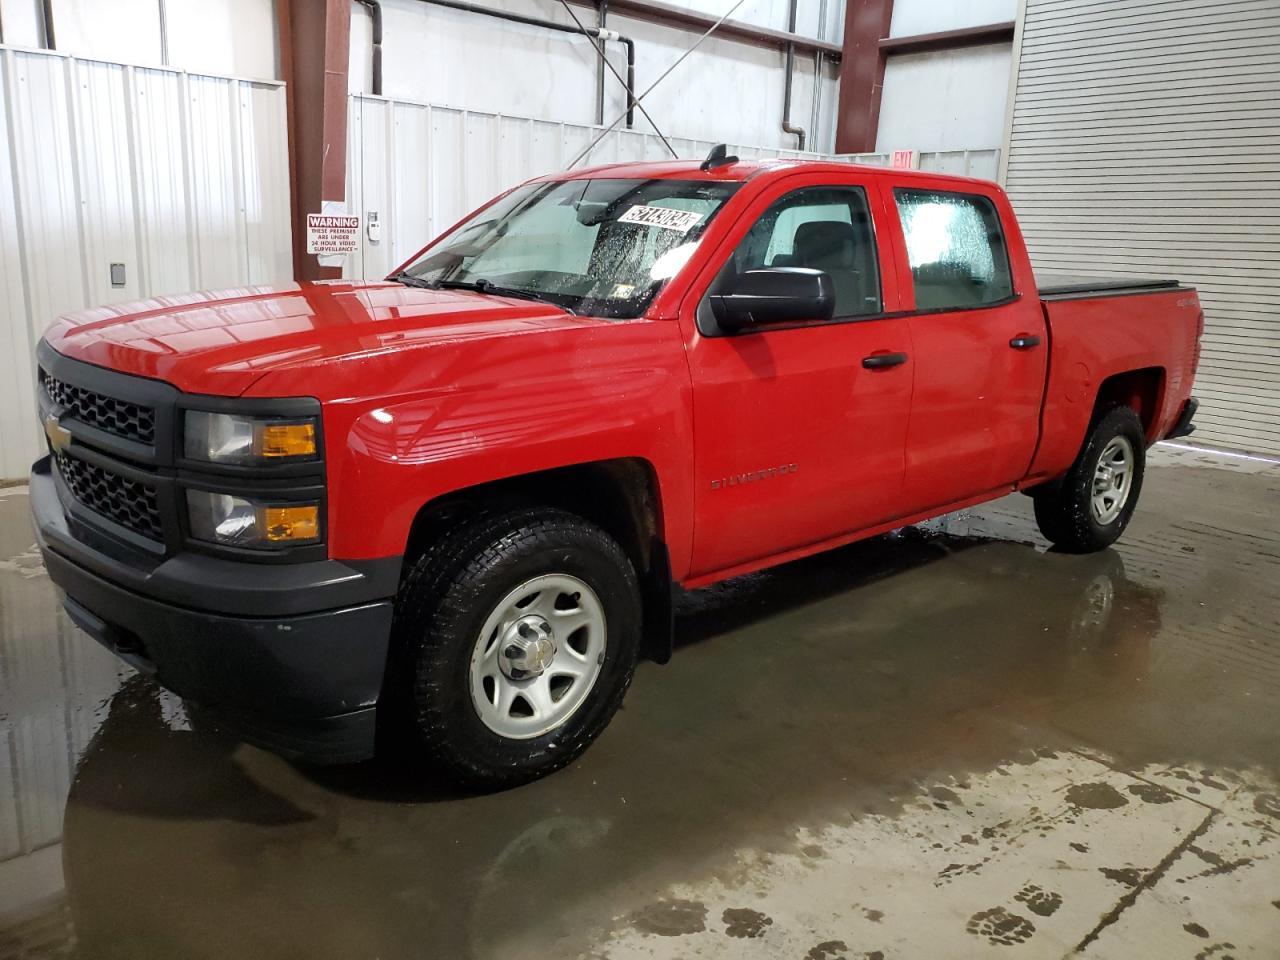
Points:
(454, 504)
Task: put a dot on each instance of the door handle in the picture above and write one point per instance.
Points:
(1024, 341)
(882, 361)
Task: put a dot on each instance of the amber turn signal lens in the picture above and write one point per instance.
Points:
(285, 524)
(286, 440)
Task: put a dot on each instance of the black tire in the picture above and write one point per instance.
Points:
(1064, 508)
(444, 600)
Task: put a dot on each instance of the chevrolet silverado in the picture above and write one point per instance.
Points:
(450, 508)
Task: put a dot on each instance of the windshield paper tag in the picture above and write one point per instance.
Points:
(682, 221)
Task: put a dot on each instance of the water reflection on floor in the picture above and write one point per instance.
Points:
(806, 704)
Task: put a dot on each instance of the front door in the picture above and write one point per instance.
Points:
(799, 431)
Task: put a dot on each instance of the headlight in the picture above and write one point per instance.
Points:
(241, 522)
(231, 438)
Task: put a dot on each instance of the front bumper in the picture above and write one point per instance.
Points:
(289, 656)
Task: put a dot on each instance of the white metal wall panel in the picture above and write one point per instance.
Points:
(264, 183)
(983, 164)
(183, 178)
(1144, 142)
(101, 132)
(17, 429)
(232, 37)
(944, 99)
(914, 17)
(431, 54)
(214, 182)
(164, 221)
(422, 167)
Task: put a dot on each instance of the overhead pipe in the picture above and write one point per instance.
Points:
(815, 115)
(46, 11)
(603, 14)
(631, 79)
(600, 34)
(162, 8)
(375, 18)
(787, 125)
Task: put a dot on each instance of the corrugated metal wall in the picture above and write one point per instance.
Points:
(422, 167)
(1144, 142)
(181, 177)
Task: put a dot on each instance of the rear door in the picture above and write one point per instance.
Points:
(796, 440)
(980, 349)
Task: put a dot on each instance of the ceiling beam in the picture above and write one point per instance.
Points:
(861, 74)
(656, 11)
(314, 53)
(949, 39)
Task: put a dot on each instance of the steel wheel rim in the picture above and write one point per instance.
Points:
(1112, 480)
(557, 623)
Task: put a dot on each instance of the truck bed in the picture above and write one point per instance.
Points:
(1066, 286)
(1104, 328)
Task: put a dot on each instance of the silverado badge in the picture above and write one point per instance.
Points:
(738, 479)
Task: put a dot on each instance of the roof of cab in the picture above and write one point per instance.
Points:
(739, 171)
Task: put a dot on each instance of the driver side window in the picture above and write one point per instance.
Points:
(823, 228)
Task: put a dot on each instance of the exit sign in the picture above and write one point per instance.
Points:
(905, 159)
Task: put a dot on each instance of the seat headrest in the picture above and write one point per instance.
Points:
(825, 242)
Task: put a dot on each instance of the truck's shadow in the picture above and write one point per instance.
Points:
(734, 604)
(827, 685)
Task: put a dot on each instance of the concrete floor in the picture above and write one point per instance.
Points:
(946, 743)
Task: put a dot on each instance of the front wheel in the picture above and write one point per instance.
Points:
(519, 635)
(1088, 508)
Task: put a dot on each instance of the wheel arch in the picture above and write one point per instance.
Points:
(1142, 390)
(622, 496)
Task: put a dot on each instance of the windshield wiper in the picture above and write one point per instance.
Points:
(486, 286)
(409, 280)
(480, 286)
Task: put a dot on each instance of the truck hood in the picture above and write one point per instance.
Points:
(221, 342)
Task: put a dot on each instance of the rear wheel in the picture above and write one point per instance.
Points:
(519, 635)
(1088, 508)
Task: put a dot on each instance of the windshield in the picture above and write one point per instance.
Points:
(597, 247)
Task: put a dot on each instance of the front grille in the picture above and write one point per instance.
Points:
(118, 417)
(130, 503)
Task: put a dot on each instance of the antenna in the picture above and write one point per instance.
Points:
(718, 157)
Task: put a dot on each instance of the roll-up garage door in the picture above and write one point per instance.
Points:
(1146, 141)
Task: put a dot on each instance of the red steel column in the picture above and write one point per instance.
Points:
(315, 43)
(861, 74)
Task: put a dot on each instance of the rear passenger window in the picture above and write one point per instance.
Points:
(956, 249)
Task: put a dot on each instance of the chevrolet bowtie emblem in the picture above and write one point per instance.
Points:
(59, 436)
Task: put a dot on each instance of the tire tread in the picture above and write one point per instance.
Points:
(440, 592)
(1063, 508)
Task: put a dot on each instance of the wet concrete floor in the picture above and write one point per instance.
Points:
(943, 743)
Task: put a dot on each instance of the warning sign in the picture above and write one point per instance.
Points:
(330, 234)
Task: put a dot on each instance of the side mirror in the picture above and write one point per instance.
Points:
(774, 295)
